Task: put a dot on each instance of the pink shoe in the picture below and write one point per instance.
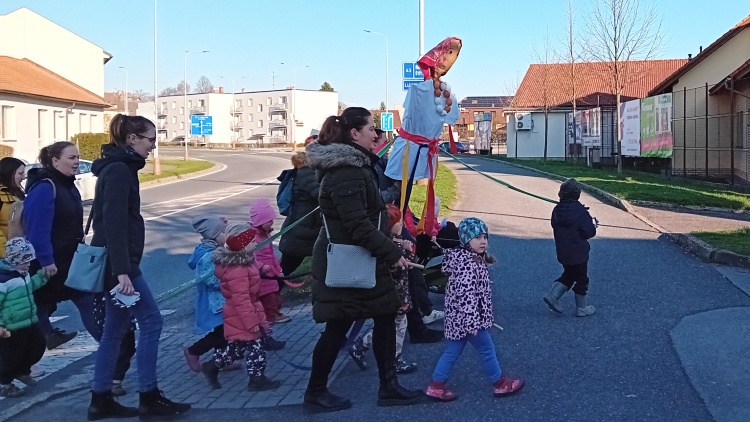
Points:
(507, 386)
(233, 366)
(193, 361)
(437, 391)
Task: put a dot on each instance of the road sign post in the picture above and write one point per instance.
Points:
(411, 74)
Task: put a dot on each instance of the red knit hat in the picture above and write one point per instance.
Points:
(238, 242)
(394, 214)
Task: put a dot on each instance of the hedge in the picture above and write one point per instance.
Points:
(90, 144)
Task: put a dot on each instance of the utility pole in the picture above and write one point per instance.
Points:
(273, 79)
(157, 164)
(421, 28)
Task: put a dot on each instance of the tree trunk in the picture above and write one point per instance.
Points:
(619, 135)
(575, 144)
(546, 125)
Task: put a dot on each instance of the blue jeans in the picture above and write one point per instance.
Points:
(453, 349)
(116, 325)
(85, 304)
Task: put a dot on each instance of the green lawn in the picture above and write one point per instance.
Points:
(173, 168)
(445, 189)
(737, 241)
(635, 186)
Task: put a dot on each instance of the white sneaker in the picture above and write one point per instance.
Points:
(37, 372)
(434, 316)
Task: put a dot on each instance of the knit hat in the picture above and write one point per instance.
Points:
(239, 236)
(19, 251)
(470, 228)
(394, 214)
(261, 212)
(209, 226)
(570, 189)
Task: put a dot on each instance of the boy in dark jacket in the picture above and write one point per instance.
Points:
(572, 226)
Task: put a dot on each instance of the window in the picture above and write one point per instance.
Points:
(58, 125)
(238, 103)
(182, 110)
(174, 105)
(260, 123)
(190, 103)
(42, 124)
(260, 108)
(249, 133)
(182, 125)
(201, 103)
(268, 100)
(249, 117)
(282, 99)
(82, 121)
(7, 122)
(249, 102)
(92, 122)
(163, 107)
(174, 119)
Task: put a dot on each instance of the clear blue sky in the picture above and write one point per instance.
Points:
(248, 38)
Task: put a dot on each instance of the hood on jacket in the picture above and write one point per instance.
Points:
(568, 212)
(299, 160)
(225, 257)
(326, 157)
(112, 154)
(38, 174)
(200, 250)
(7, 272)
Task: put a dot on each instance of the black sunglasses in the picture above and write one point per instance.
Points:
(152, 140)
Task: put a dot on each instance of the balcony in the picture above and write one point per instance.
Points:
(237, 126)
(162, 113)
(197, 111)
(236, 110)
(277, 123)
(277, 139)
(162, 126)
(277, 107)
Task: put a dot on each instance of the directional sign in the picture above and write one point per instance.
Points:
(386, 121)
(411, 70)
(407, 84)
(201, 125)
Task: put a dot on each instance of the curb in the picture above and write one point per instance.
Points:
(696, 246)
(217, 167)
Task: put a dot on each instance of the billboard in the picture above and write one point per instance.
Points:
(589, 127)
(630, 128)
(656, 126)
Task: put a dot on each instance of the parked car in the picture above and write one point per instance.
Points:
(463, 147)
(180, 140)
(85, 179)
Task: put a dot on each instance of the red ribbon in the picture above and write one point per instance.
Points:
(428, 214)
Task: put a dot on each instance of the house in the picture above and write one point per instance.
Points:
(51, 83)
(549, 87)
(470, 107)
(711, 101)
(116, 102)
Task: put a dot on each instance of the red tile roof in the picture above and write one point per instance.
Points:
(24, 77)
(666, 85)
(593, 86)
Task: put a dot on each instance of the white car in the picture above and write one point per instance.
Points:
(85, 179)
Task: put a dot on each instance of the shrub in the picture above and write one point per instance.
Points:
(90, 144)
(6, 151)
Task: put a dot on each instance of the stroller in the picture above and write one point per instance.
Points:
(430, 254)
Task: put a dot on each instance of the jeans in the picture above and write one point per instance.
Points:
(576, 276)
(85, 304)
(116, 325)
(453, 349)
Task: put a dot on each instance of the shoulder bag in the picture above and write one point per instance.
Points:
(349, 266)
(89, 264)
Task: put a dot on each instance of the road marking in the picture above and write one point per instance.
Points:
(222, 165)
(57, 318)
(165, 312)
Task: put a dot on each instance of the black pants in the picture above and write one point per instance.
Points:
(23, 348)
(333, 339)
(127, 351)
(576, 276)
(288, 264)
(420, 296)
(214, 340)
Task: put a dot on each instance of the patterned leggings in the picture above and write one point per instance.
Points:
(401, 325)
(254, 352)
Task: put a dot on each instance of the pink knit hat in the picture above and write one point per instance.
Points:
(261, 212)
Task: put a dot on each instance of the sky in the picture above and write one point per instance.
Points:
(249, 39)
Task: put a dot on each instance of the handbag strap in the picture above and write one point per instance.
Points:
(88, 224)
(325, 224)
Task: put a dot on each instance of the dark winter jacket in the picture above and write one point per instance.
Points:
(300, 239)
(53, 223)
(351, 202)
(117, 221)
(572, 226)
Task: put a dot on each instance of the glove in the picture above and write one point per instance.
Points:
(4, 333)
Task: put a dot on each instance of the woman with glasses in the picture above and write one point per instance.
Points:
(118, 225)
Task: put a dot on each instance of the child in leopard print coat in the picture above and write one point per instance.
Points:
(468, 311)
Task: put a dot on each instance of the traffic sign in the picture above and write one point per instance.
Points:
(407, 84)
(201, 125)
(411, 70)
(386, 121)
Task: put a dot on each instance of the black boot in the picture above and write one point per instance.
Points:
(211, 372)
(391, 393)
(319, 399)
(153, 403)
(262, 383)
(104, 405)
(273, 344)
(427, 336)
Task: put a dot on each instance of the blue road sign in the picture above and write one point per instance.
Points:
(407, 84)
(411, 70)
(201, 125)
(386, 121)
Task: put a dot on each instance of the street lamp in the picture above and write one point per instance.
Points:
(157, 163)
(127, 110)
(294, 104)
(184, 100)
(386, 65)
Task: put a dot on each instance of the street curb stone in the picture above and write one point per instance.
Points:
(164, 180)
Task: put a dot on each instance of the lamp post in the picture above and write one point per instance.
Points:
(184, 100)
(127, 110)
(386, 65)
(294, 105)
(157, 163)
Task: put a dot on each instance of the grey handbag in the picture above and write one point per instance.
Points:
(349, 265)
(89, 265)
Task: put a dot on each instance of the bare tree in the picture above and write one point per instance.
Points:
(175, 90)
(141, 95)
(510, 87)
(575, 52)
(623, 31)
(545, 58)
(203, 85)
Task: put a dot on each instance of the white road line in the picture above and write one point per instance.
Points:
(222, 165)
(197, 195)
(166, 312)
(57, 318)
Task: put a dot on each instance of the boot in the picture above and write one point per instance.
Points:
(211, 371)
(506, 386)
(428, 336)
(391, 393)
(319, 399)
(553, 297)
(262, 383)
(193, 361)
(59, 337)
(153, 403)
(103, 406)
(437, 391)
(404, 367)
(273, 344)
(357, 352)
(582, 306)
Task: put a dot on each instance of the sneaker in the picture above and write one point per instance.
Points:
(507, 386)
(28, 380)
(282, 318)
(193, 361)
(437, 391)
(357, 352)
(273, 344)
(37, 371)
(118, 390)
(59, 337)
(10, 391)
(434, 316)
(404, 367)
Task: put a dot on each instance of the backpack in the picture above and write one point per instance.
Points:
(285, 194)
(15, 221)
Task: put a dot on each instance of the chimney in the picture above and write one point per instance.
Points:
(690, 56)
(221, 90)
(701, 50)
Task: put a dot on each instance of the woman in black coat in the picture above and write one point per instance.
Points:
(353, 209)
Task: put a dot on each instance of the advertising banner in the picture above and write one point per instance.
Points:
(656, 126)
(630, 128)
(588, 127)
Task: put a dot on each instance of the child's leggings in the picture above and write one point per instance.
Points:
(400, 334)
(453, 349)
(254, 352)
(18, 352)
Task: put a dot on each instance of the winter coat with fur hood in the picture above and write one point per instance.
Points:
(240, 285)
(351, 203)
(300, 239)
